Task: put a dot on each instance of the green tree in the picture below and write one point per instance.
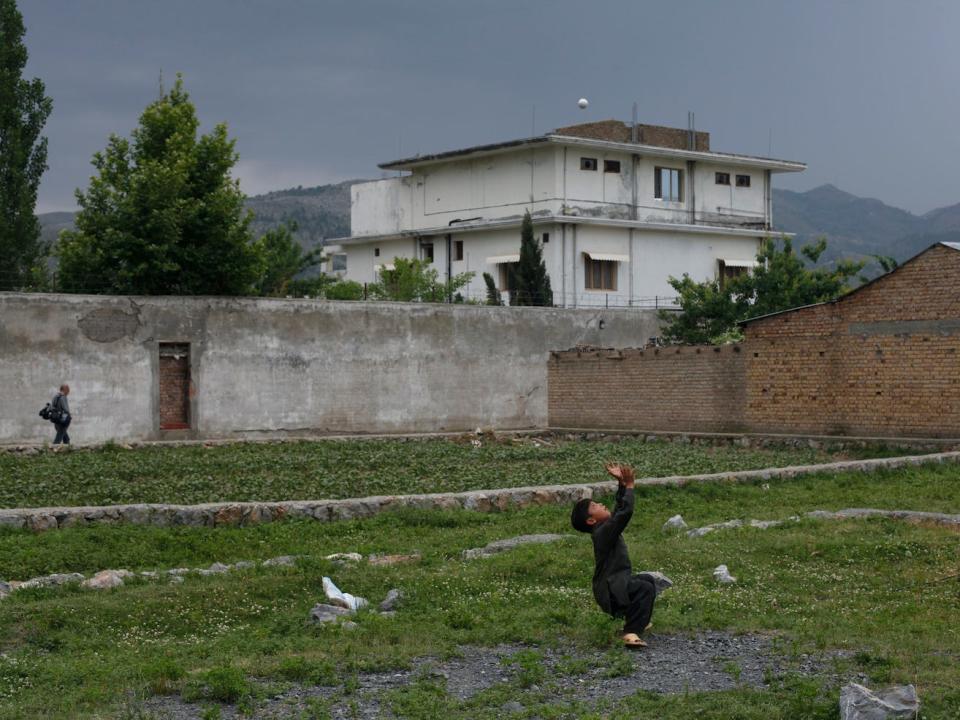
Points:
(281, 260)
(163, 216)
(531, 284)
(413, 280)
(782, 280)
(24, 109)
(493, 294)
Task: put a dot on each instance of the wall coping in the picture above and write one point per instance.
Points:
(250, 513)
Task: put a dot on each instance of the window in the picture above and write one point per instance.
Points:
(722, 178)
(668, 184)
(174, 386)
(338, 262)
(458, 249)
(611, 166)
(546, 238)
(376, 252)
(427, 250)
(599, 274)
(729, 272)
(588, 163)
(743, 181)
(507, 276)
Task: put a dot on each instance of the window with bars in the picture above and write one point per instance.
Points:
(588, 163)
(611, 166)
(668, 184)
(722, 178)
(599, 274)
(743, 181)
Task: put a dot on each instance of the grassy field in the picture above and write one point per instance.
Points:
(321, 470)
(878, 589)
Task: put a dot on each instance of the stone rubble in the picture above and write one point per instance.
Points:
(860, 703)
(498, 546)
(495, 500)
(392, 601)
(722, 575)
(106, 579)
(384, 560)
(675, 523)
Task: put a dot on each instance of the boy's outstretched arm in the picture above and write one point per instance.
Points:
(623, 510)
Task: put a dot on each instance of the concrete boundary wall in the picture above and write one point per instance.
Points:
(264, 367)
(233, 514)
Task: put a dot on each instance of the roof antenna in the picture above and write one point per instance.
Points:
(160, 96)
(770, 144)
(633, 126)
(533, 122)
(691, 131)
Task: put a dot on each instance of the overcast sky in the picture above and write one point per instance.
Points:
(315, 91)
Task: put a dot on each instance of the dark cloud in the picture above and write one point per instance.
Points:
(320, 91)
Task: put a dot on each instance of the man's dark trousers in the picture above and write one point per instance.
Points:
(642, 592)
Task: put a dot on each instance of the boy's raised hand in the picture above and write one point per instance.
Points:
(623, 473)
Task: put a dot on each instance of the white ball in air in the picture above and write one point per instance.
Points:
(582, 103)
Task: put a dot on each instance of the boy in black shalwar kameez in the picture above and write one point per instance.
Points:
(617, 590)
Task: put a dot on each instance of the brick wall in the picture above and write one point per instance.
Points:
(617, 131)
(673, 388)
(882, 361)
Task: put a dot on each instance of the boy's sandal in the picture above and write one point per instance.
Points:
(649, 625)
(632, 640)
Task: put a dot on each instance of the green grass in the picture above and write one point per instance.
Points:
(333, 469)
(869, 587)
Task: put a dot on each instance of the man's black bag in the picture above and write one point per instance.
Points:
(50, 413)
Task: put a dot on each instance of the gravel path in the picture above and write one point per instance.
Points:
(703, 662)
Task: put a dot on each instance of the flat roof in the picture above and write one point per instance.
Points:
(773, 164)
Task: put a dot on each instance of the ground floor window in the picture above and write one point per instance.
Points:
(458, 249)
(507, 281)
(728, 270)
(599, 274)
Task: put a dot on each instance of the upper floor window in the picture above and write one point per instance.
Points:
(588, 163)
(743, 181)
(376, 252)
(722, 178)
(611, 166)
(668, 184)
(427, 249)
(338, 262)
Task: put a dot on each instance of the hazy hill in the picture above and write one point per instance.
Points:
(854, 226)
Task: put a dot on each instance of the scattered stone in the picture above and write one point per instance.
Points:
(392, 601)
(499, 546)
(323, 613)
(243, 565)
(722, 575)
(860, 703)
(661, 581)
(283, 560)
(343, 558)
(700, 532)
(338, 597)
(179, 571)
(512, 707)
(675, 523)
(764, 524)
(5, 589)
(215, 569)
(393, 559)
(51, 580)
(106, 579)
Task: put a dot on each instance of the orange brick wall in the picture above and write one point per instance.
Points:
(673, 388)
(882, 361)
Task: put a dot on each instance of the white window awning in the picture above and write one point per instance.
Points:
(607, 257)
(503, 259)
(731, 262)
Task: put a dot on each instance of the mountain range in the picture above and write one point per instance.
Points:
(855, 227)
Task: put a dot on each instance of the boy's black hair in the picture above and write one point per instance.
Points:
(578, 518)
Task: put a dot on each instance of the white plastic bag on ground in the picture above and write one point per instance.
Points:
(342, 599)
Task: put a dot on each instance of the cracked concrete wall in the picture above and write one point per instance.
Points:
(264, 367)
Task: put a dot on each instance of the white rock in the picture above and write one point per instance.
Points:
(722, 575)
(344, 600)
(699, 532)
(344, 557)
(675, 523)
(323, 613)
(860, 703)
(283, 560)
(661, 581)
(215, 569)
(392, 601)
(764, 524)
(243, 565)
(105, 579)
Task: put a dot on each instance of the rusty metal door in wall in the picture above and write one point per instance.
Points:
(174, 386)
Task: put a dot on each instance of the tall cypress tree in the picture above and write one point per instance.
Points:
(24, 109)
(531, 282)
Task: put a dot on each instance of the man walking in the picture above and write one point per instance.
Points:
(61, 410)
